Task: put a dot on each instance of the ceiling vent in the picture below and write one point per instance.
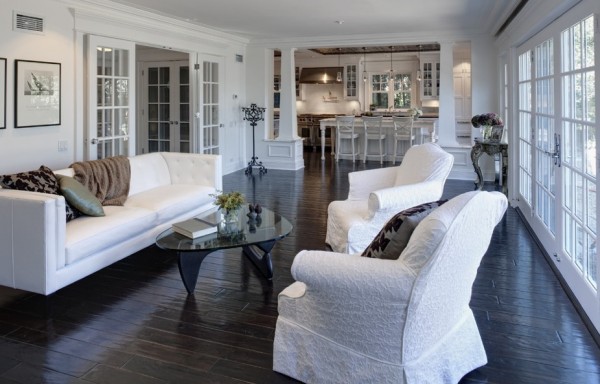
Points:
(28, 23)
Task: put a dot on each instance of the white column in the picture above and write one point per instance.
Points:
(288, 126)
(447, 120)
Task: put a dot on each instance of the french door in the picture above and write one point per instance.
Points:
(111, 99)
(166, 113)
(211, 100)
(557, 129)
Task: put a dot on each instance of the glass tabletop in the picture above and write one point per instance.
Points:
(247, 231)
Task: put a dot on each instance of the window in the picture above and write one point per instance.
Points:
(382, 93)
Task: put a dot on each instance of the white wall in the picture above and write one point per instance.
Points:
(27, 148)
(65, 24)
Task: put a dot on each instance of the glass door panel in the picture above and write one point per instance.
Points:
(110, 68)
(557, 154)
(211, 127)
(167, 102)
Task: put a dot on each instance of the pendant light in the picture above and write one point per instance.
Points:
(419, 63)
(365, 64)
(339, 74)
(391, 64)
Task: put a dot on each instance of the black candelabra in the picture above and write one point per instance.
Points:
(253, 114)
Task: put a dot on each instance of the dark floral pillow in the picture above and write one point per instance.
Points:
(395, 234)
(41, 180)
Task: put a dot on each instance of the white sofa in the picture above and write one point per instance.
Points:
(42, 253)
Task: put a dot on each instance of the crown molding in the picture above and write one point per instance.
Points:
(112, 13)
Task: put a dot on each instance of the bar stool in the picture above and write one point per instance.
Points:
(345, 131)
(403, 132)
(374, 131)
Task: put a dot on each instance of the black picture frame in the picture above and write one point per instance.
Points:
(2, 93)
(37, 93)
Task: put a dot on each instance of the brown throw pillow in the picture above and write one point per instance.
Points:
(395, 234)
(41, 180)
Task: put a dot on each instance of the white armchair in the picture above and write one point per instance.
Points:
(378, 194)
(352, 319)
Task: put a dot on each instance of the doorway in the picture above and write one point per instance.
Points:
(164, 108)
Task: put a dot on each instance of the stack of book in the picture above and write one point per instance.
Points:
(197, 226)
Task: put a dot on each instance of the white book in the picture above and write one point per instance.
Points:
(194, 228)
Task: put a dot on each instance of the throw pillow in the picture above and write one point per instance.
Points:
(41, 180)
(395, 234)
(79, 196)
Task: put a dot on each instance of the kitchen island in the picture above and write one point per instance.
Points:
(420, 126)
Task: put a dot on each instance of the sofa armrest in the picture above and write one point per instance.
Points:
(32, 234)
(364, 182)
(195, 168)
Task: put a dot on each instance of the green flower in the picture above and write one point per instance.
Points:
(229, 201)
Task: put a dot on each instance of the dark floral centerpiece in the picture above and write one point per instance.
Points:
(486, 121)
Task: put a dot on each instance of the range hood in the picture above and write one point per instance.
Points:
(320, 75)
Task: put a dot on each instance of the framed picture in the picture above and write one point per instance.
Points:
(497, 131)
(37, 93)
(2, 93)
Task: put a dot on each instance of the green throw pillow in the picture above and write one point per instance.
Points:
(79, 196)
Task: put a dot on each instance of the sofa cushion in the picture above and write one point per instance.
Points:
(170, 201)
(148, 171)
(79, 196)
(88, 235)
(41, 180)
(394, 236)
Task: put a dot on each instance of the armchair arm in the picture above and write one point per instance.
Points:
(392, 200)
(364, 182)
(354, 301)
(333, 274)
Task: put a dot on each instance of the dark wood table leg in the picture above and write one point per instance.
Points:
(504, 169)
(261, 261)
(189, 267)
(476, 152)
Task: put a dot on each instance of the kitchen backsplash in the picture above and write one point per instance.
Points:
(325, 99)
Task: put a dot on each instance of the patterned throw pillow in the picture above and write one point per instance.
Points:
(393, 238)
(42, 180)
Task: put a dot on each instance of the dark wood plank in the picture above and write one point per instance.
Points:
(133, 322)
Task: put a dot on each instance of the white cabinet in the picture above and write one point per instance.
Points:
(350, 85)
(430, 76)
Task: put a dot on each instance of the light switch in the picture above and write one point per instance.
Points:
(63, 145)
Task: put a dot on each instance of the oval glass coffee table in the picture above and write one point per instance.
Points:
(256, 236)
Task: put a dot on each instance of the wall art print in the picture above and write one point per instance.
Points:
(2, 93)
(37, 93)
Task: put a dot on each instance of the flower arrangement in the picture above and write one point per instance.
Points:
(229, 201)
(486, 120)
(414, 111)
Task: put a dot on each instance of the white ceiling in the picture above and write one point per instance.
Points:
(310, 19)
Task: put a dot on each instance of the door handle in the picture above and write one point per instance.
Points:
(94, 141)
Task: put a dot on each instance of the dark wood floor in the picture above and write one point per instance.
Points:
(134, 323)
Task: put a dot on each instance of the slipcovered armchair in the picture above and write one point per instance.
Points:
(376, 195)
(353, 319)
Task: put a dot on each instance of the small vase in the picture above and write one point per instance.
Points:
(486, 132)
(231, 216)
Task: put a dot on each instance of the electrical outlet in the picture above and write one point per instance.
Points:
(63, 145)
